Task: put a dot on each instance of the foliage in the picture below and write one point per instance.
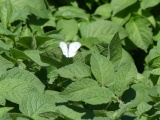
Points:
(114, 75)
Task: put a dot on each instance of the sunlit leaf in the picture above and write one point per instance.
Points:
(115, 50)
(68, 27)
(75, 70)
(139, 32)
(123, 77)
(104, 11)
(35, 103)
(102, 69)
(118, 5)
(148, 3)
(102, 29)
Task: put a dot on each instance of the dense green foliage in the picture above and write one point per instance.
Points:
(114, 75)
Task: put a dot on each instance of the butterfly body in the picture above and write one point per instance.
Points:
(69, 50)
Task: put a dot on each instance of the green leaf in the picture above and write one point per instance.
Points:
(15, 89)
(148, 3)
(119, 5)
(26, 32)
(101, 118)
(143, 107)
(4, 111)
(18, 54)
(78, 90)
(155, 71)
(125, 58)
(121, 111)
(55, 95)
(102, 29)
(102, 69)
(156, 36)
(69, 28)
(41, 40)
(5, 31)
(115, 50)
(139, 32)
(50, 115)
(38, 41)
(11, 10)
(53, 57)
(71, 12)
(156, 115)
(51, 22)
(26, 42)
(154, 55)
(35, 103)
(155, 63)
(87, 90)
(68, 113)
(146, 14)
(5, 64)
(104, 11)
(99, 95)
(79, 57)
(51, 44)
(123, 77)
(2, 101)
(122, 33)
(19, 116)
(102, 113)
(6, 12)
(34, 55)
(121, 18)
(101, 81)
(75, 70)
(89, 42)
(142, 94)
(36, 7)
(4, 46)
(23, 75)
(52, 74)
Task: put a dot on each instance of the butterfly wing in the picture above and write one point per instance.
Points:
(73, 47)
(64, 48)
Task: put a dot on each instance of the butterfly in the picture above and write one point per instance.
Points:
(69, 50)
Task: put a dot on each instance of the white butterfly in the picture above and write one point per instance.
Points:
(69, 50)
